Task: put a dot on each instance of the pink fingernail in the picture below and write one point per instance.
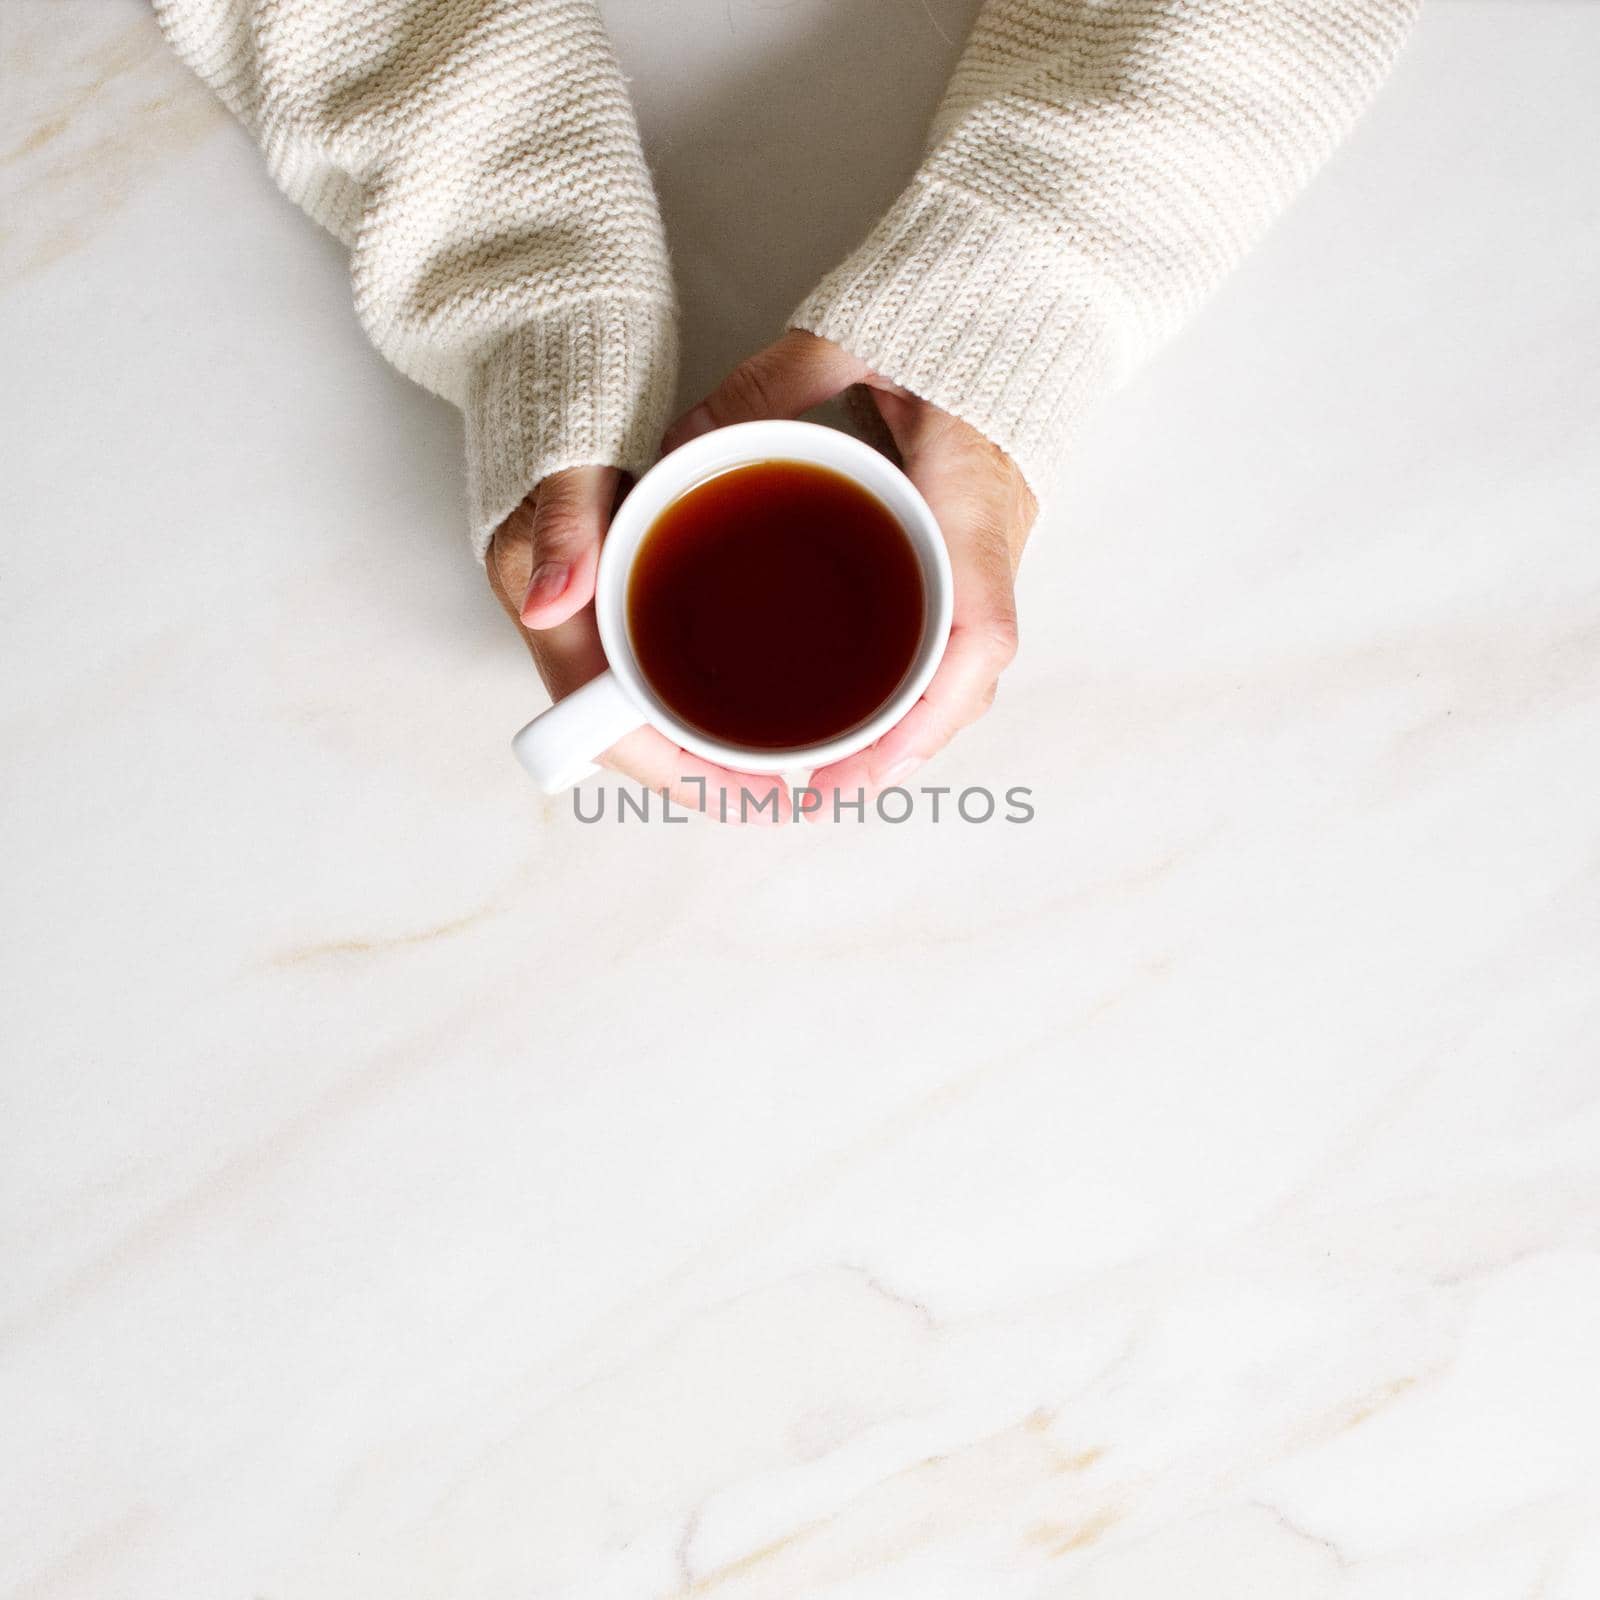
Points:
(548, 581)
(692, 425)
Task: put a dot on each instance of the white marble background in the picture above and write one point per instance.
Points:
(411, 1192)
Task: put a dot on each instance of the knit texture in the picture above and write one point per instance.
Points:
(1095, 169)
(481, 161)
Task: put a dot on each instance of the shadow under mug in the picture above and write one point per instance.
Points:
(559, 747)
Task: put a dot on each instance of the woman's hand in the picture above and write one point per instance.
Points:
(541, 566)
(982, 504)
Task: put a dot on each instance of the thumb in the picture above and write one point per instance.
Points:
(785, 379)
(571, 512)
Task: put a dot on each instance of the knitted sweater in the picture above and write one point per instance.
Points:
(1094, 170)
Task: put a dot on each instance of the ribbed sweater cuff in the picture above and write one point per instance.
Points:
(989, 317)
(588, 384)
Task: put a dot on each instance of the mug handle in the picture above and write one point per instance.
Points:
(558, 747)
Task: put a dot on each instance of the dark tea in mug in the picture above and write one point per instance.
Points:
(775, 605)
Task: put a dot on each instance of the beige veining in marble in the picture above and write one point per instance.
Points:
(408, 1190)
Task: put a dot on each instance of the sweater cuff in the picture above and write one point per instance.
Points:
(994, 319)
(590, 384)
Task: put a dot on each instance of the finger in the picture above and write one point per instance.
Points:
(571, 510)
(963, 476)
(976, 506)
(654, 761)
(961, 691)
(787, 378)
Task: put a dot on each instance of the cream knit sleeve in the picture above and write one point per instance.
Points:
(1095, 169)
(481, 160)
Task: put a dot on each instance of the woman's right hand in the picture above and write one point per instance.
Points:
(542, 564)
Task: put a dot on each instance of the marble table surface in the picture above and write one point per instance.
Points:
(412, 1191)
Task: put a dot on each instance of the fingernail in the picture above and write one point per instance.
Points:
(548, 581)
(690, 426)
(901, 769)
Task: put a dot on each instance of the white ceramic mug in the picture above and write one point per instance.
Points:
(559, 747)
